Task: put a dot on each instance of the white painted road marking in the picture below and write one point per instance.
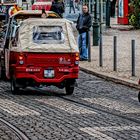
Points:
(134, 98)
(16, 109)
(114, 104)
(98, 132)
(65, 106)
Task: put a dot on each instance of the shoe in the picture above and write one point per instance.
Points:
(82, 59)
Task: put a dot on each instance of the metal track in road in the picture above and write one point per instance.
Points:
(15, 130)
(101, 110)
(91, 107)
(88, 106)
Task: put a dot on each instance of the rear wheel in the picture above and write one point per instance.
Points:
(14, 88)
(69, 87)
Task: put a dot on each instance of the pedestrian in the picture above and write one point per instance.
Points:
(44, 14)
(72, 6)
(83, 26)
(58, 7)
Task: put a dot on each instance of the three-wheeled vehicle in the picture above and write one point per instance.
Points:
(40, 51)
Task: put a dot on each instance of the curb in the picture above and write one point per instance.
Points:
(113, 79)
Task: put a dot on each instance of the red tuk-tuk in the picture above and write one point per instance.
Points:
(40, 51)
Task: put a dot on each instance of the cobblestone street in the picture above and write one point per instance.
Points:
(98, 110)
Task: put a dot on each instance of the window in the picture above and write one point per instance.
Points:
(48, 35)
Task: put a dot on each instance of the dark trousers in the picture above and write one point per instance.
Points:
(72, 7)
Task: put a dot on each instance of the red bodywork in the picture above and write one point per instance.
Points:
(65, 66)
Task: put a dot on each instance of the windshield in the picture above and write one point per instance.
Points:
(48, 35)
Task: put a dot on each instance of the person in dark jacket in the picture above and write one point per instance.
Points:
(58, 7)
(83, 26)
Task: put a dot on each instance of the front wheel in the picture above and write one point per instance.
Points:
(69, 87)
(14, 88)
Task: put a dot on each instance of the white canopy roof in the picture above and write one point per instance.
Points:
(27, 44)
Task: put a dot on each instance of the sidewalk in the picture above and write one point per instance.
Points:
(123, 75)
(124, 35)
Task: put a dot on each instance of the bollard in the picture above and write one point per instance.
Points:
(108, 13)
(95, 26)
(115, 53)
(95, 33)
(89, 48)
(101, 40)
(101, 52)
(133, 57)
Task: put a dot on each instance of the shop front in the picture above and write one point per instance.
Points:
(5, 5)
(123, 12)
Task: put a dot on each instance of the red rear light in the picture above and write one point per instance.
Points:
(76, 58)
(21, 58)
(139, 82)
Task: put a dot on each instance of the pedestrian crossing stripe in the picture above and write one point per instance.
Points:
(114, 104)
(66, 106)
(99, 132)
(16, 109)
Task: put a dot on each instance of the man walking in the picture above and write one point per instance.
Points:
(83, 25)
(72, 5)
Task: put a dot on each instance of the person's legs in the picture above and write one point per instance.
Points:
(70, 9)
(80, 43)
(78, 7)
(84, 53)
(73, 8)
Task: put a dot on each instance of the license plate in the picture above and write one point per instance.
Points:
(48, 73)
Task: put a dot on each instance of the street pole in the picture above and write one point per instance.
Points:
(115, 53)
(100, 42)
(95, 26)
(95, 10)
(133, 57)
(108, 4)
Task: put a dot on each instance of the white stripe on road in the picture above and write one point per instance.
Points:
(95, 133)
(16, 109)
(65, 106)
(99, 132)
(135, 98)
(114, 104)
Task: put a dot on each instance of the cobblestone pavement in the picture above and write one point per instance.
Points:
(98, 110)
